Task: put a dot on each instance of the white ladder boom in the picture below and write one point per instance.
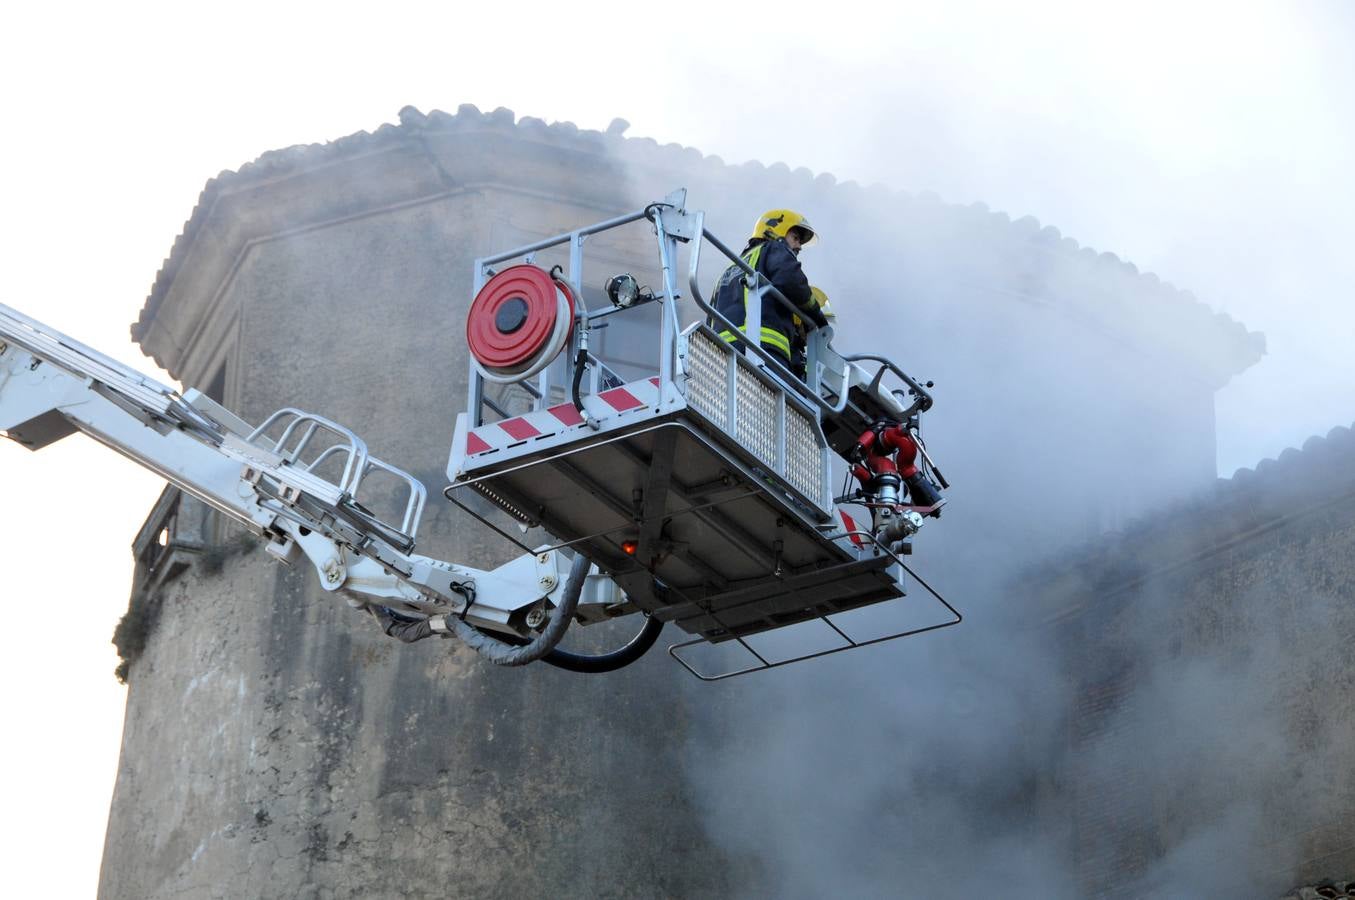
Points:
(268, 479)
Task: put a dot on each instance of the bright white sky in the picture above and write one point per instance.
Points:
(1209, 142)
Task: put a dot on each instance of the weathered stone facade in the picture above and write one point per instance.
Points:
(1214, 703)
(277, 745)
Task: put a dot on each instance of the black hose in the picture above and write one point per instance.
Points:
(580, 361)
(502, 653)
(608, 662)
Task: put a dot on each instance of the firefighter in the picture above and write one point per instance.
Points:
(773, 250)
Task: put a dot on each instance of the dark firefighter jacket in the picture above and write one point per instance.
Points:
(778, 263)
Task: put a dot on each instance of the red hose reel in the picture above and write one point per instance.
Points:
(519, 323)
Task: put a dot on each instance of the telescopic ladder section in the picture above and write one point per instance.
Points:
(274, 480)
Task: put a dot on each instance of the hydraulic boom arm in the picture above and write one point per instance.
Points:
(268, 479)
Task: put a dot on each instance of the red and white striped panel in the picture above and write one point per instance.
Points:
(605, 406)
(849, 524)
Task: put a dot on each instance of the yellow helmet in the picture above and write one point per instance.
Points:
(821, 301)
(776, 223)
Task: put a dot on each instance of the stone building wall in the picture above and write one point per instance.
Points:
(277, 745)
(1212, 714)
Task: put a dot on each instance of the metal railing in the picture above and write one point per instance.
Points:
(673, 225)
(818, 338)
(301, 429)
(848, 643)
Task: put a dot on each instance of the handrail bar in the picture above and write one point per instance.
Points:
(356, 464)
(545, 243)
(417, 495)
(924, 399)
(417, 492)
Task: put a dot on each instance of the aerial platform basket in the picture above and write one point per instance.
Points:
(703, 489)
(691, 484)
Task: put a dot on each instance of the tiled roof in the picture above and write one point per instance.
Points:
(1198, 318)
(1331, 890)
(1319, 476)
(1337, 441)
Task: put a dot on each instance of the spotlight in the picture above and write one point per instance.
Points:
(623, 291)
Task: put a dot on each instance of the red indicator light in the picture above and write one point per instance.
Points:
(630, 547)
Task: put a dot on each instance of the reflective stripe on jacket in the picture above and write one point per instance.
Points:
(775, 261)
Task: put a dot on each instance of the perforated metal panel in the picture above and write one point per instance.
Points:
(804, 456)
(781, 436)
(756, 418)
(708, 384)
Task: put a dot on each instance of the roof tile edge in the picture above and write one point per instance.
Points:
(1250, 345)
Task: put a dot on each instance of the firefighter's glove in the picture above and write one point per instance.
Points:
(815, 315)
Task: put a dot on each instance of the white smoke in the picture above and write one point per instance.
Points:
(1201, 143)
